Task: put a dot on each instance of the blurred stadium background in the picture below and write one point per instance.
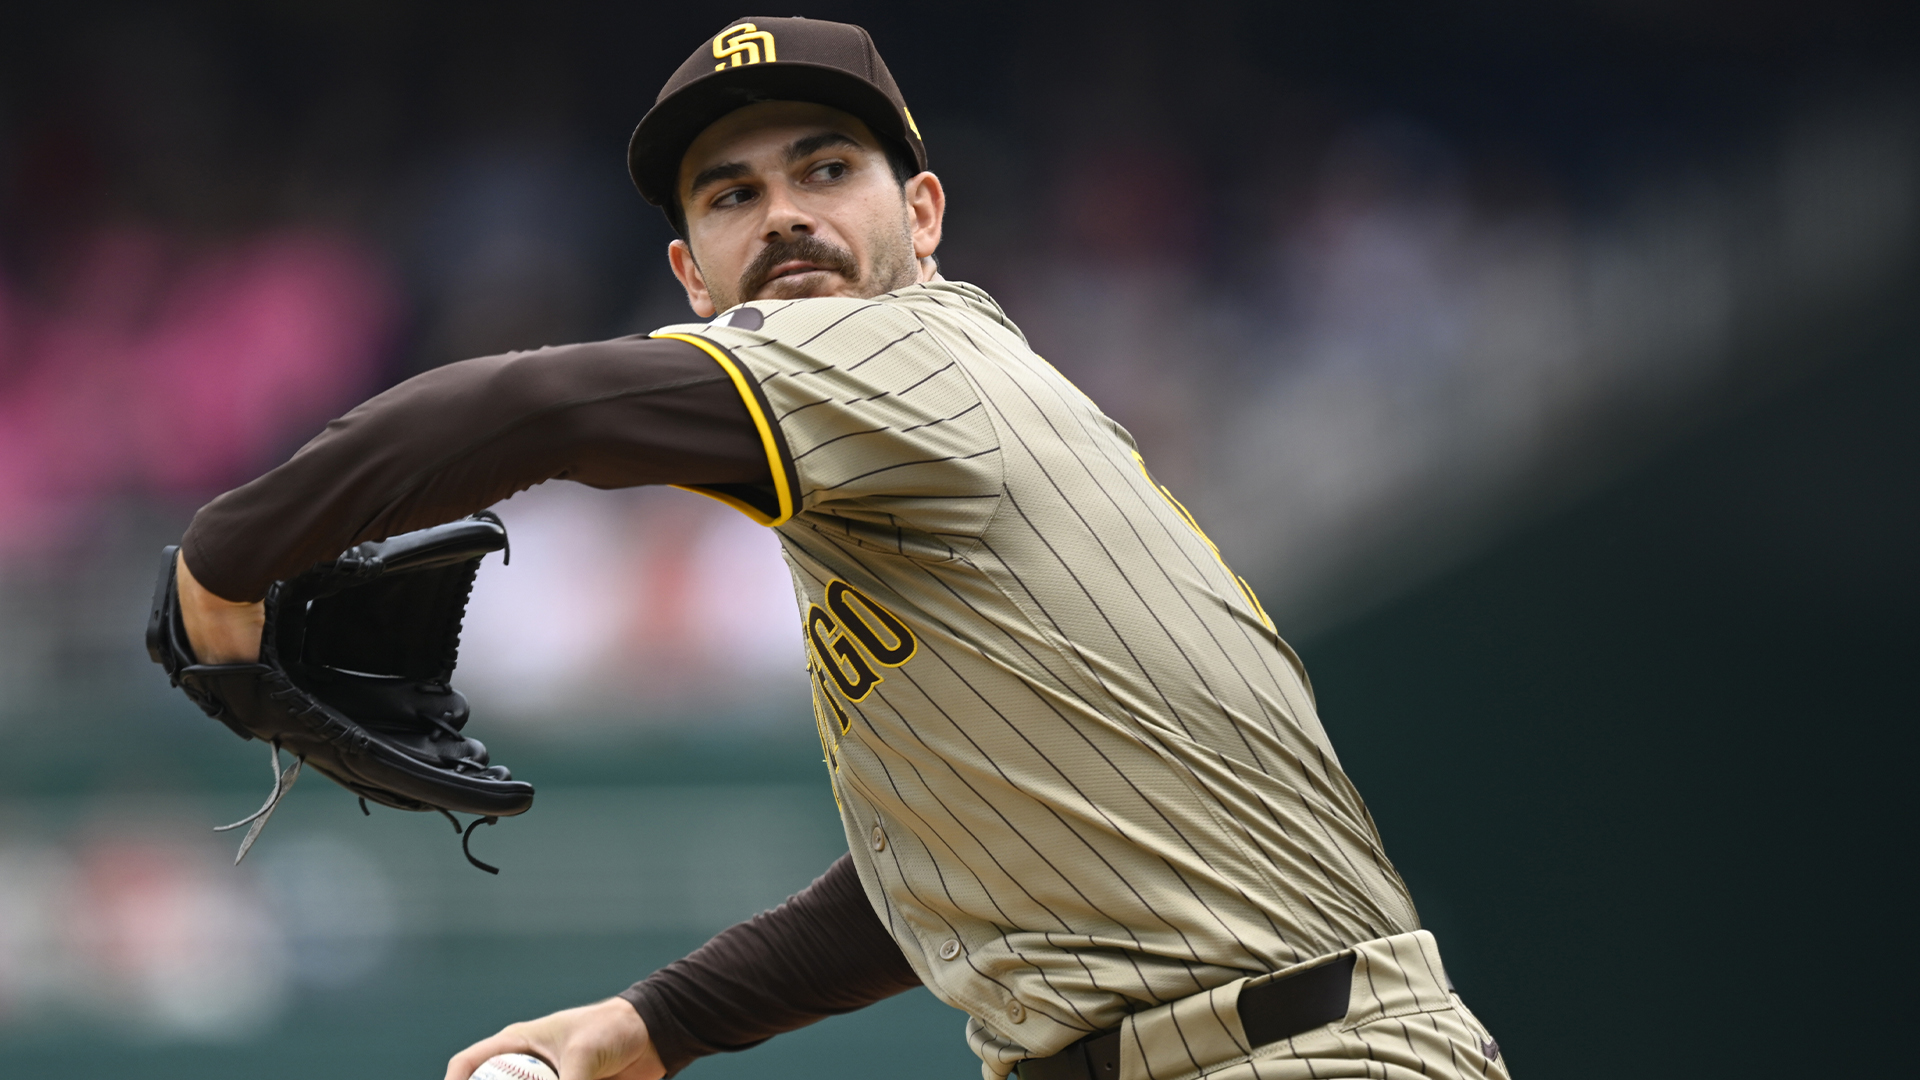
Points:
(1549, 370)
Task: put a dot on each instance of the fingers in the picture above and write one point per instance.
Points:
(512, 1039)
(603, 1041)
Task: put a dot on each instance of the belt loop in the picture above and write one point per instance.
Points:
(1208, 1026)
(1298, 1003)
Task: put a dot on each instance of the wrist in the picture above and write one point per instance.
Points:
(629, 1014)
(220, 631)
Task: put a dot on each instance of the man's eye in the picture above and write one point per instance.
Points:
(830, 170)
(736, 197)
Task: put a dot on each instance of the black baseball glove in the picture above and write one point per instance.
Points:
(353, 676)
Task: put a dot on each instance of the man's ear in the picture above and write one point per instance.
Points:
(680, 258)
(926, 212)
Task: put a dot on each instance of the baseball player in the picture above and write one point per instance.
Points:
(1087, 798)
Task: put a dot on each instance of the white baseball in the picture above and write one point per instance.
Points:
(515, 1067)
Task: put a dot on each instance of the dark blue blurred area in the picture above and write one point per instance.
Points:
(1548, 369)
(218, 117)
(1648, 762)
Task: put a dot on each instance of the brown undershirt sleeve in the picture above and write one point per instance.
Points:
(822, 953)
(462, 437)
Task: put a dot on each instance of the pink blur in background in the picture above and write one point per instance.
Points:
(155, 365)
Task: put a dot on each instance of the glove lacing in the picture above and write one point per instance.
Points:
(282, 783)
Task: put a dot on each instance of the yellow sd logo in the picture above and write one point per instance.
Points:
(742, 45)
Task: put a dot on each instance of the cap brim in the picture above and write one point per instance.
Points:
(661, 140)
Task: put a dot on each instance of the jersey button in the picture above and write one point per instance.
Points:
(1016, 1012)
(879, 839)
(950, 949)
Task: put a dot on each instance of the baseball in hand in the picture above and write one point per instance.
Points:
(514, 1067)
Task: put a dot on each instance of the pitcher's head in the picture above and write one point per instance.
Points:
(785, 158)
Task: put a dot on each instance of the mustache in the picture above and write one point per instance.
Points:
(804, 249)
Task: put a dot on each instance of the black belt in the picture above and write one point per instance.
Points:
(1269, 1012)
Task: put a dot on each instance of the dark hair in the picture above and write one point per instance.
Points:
(902, 163)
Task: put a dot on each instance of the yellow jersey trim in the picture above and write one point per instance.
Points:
(1246, 590)
(743, 506)
(756, 408)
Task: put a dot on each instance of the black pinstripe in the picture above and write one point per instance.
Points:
(1100, 769)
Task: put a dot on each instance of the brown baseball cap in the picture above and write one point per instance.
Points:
(767, 59)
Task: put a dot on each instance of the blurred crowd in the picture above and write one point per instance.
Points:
(1356, 321)
(145, 366)
(146, 929)
(126, 913)
(1368, 284)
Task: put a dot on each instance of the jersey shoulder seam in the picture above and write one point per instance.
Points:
(999, 441)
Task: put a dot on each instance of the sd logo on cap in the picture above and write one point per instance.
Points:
(743, 44)
(826, 63)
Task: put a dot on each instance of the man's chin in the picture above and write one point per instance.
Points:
(814, 283)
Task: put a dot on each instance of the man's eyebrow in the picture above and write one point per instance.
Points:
(732, 170)
(812, 143)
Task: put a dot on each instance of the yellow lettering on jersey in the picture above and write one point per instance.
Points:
(850, 671)
(841, 598)
(743, 44)
(829, 744)
(845, 645)
(1246, 590)
(839, 713)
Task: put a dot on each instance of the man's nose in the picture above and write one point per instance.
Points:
(785, 218)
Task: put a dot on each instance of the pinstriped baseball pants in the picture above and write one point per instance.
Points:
(1402, 1023)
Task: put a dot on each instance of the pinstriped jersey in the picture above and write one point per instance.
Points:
(1080, 773)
